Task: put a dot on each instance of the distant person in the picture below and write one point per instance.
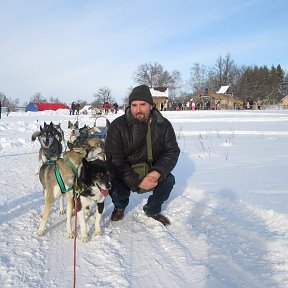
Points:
(115, 106)
(126, 145)
(165, 106)
(106, 107)
(193, 106)
(73, 107)
(77, 108)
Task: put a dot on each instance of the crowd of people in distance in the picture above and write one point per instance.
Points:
(75, 109)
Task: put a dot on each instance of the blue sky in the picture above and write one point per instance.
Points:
(70, 49)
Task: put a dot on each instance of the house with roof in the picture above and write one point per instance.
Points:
(224, 90)
(222, 99)
(284, 102)
(160, 97)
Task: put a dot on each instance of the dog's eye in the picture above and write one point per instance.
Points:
(98, 176)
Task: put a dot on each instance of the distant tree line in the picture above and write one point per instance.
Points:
(6, 102)
(249, 83)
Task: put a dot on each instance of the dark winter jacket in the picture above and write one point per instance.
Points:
(125, 145)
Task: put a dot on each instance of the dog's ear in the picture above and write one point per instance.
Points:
(80, 149)
(51, 124)
(100, 165)
(35, 135)
(76, 124)
(41, 129)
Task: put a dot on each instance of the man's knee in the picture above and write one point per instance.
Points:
(170, 180)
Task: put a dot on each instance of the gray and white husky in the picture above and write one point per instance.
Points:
(68, 168)
(50, 138)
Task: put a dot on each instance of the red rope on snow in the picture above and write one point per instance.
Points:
(75, 237)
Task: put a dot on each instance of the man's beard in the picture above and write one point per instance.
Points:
(141, 119)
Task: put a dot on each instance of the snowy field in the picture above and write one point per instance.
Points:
(229, 211)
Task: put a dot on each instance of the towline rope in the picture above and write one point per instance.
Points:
(75, 236)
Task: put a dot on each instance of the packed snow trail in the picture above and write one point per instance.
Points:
(220, 235)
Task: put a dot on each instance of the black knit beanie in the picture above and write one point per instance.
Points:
(141, 93)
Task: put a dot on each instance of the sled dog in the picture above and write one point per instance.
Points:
(94, 178)
(50, 138)
(85, 135)
(68, 170)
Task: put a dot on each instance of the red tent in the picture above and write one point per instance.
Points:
(37, 106)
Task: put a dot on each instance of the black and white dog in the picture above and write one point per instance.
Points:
(95, 181)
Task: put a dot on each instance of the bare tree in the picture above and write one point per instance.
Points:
(103, 95)
(198, 79)
(6, 102)
(37, 97)
(224, 72)
(154, 75)
(54, 100)
(176, 83)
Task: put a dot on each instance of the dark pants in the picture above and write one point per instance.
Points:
(120, 195)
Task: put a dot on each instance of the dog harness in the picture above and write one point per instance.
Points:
(70, 164)
(59, 178)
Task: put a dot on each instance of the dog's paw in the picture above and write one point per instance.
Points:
(61, 212)
(69, 235)
(98, 233)
(40, 233)
(84, 239)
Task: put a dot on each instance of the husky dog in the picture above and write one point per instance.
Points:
(50, 138)
(94, 179)
(85, 135)
(60, 133)
(68, 170)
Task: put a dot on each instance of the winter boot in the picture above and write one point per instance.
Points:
(162, 219)
(158, 217)
(117, 214)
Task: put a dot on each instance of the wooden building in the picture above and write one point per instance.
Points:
(160, 97)
(284, 102)
(222, 99)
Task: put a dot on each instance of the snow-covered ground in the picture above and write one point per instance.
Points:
(228, 211)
